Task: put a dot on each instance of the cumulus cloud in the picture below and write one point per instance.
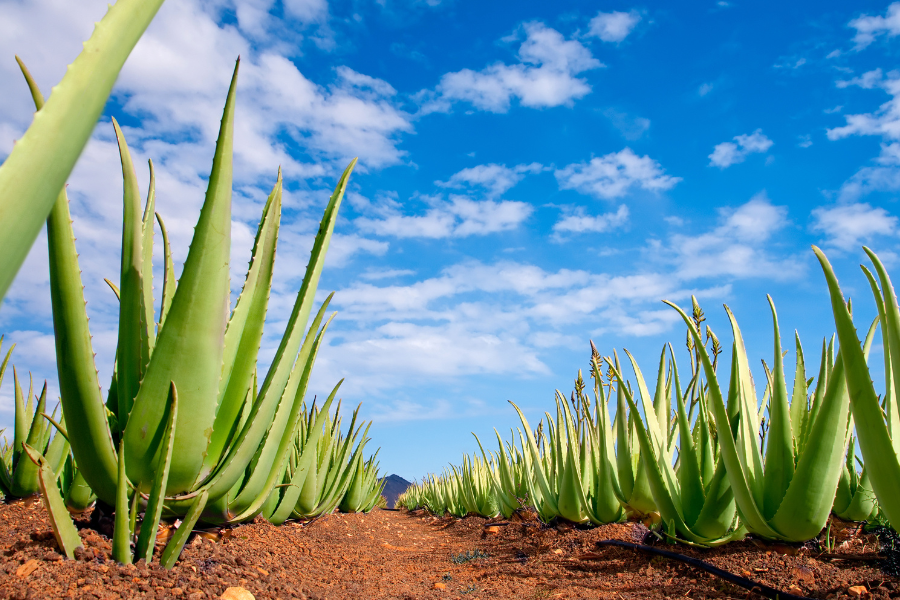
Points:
(883, 122)
(458, 217)
(615, 174)
(729, 153)
(577, 221)
(737, 247)
(545, 76)
(494, 179)
(869, 27)
(848, 226)
(614, 26)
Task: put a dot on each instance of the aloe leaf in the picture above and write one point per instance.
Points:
(176, 543)
(874, 439)
(890, 391)
(799, 408)
(20, 431)
(64, 530)
(780, 446)
(150, 524)
(78, 383)
(189, 347)
(36, 170)
(58, 449)
(244, 331)
(749, 452)
(79, 495)
(168, 291)
(148, 323)
(121, 543)
(279, 373)
(129, 351)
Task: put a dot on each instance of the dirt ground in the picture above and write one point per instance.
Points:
(388, 554)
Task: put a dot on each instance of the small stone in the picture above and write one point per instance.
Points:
(177, 591)
(27, 569)
(858, 591)
(746, 573)
(440, 586)
(557, 551)
(795, 589)
(53, 556)
(263, 571)
(805, 575)
(493, 529)
(237, 593)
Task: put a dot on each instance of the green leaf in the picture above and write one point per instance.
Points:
(34, 173)
(63, 527)
(150, 524)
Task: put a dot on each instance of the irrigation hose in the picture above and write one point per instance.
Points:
(743, 582)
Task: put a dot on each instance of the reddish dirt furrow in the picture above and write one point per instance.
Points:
(389, 554)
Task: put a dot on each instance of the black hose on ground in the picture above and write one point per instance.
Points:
(743, 582)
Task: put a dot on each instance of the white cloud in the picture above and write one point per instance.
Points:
(631, 128)
(614, 26)
(458, 217)
(884, 122)
(729, 153)
(546, 76)
(705, 88)
(578, 222)
(493, 178)
(739, 246)
(848, 226)
(615, 174)
(869, 27)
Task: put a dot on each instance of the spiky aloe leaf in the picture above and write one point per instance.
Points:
(168, 291)
(79, 387)
(148, 323)
(189, 348)
(36, 170)
(64, 530)
(121, 545)
(176, 543)
(780, 446)
(131, 349)
(149, 525)
(245, 330)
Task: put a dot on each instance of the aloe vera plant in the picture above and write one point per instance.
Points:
(788, 495)
(224, 422)
(19, 476)
(36, 170)
(695, 501)
(877, 421)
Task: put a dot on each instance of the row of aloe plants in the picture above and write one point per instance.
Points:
(187, 428)
(707, 453)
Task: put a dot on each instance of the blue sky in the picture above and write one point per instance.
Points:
(531, 176)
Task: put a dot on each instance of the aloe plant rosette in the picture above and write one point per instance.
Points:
(789, 494)
(196, 350)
